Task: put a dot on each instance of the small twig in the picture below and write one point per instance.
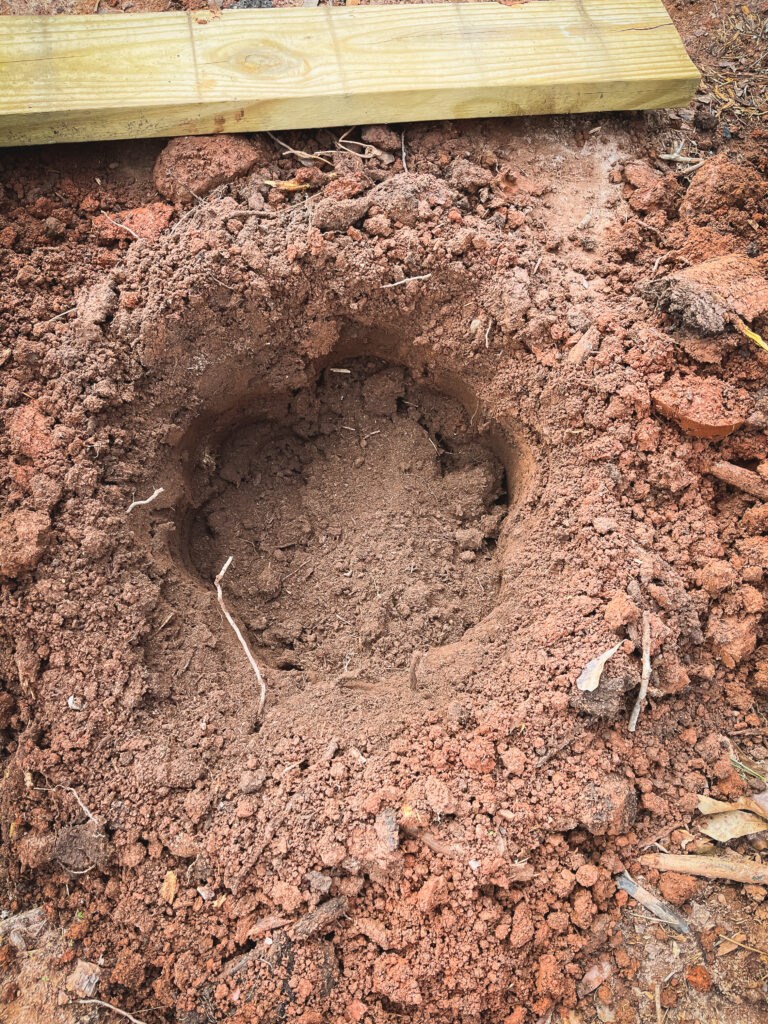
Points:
(145, 501)
(118, 224)
(405, 280)
(488, 331)
(646, 676)
(109, 1006)
(657, 1003)
(402, 150)
(253, 213)
(240, 637)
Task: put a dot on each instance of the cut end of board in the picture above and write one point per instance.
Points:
(86, 78)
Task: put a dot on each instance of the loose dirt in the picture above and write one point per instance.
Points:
(459, 426)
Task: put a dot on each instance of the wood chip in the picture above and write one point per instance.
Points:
(321, 917)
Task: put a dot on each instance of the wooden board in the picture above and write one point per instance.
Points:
(73, 78)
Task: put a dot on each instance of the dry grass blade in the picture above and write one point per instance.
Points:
(240, 637)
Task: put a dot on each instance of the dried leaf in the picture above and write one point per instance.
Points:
(732, 825)
(729, 945)
(288, 186)
(709, 806)
(594, 978)
(170, 887)
(590, 678)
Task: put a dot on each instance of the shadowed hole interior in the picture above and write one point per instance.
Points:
(362, 522)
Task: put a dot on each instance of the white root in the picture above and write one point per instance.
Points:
(145, 501)
(240, 637)
(646, 676)
(118, 224)
(405, 280)
(109, 1006)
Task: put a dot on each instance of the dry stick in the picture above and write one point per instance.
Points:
(109, 1006)
(744, 479)
(707, 867)
(402, 150)
(145, 501)
(240, 637)
(657, 1003)
(646, 676)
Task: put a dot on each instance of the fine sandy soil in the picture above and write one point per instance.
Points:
(459, 425)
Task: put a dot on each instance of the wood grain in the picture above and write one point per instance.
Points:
(74, 78)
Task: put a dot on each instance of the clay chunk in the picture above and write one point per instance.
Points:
(703, 407)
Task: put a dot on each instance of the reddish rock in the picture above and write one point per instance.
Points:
(288, 897)
(193, 165)
(479, 755)
(355, 1011)
(439, 797)
(145, 221)
(432, 894)
(678, 889)
(733, 637)
(29, 432)
(513, 760)
(754, 550)
(550, 978)
(587, 875)
(702, 406)
(716, 576)
(517, 1016)
(24, 537)
(621, 611)
(720, 186)
(522, 926)
(699, 978)
(652, 189)
(608, 806)
(392, 978)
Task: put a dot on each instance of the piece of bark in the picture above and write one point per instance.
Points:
(744, 479)
(708, 867)
(659, 909)
(321, 917)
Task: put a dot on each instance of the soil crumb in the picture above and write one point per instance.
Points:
(362, 529)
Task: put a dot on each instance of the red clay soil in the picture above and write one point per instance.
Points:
(454, 424)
